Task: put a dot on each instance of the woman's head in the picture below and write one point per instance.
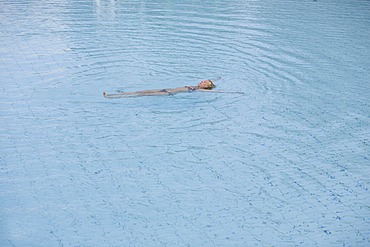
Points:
(206, 84)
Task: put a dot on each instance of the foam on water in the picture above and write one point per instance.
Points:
(284, 164)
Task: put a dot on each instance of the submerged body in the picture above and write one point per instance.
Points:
(205, 85)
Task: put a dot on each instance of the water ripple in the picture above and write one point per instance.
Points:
(285, 163)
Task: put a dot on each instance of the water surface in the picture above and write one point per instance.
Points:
(284, 164)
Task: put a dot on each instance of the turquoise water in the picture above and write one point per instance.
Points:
(284, 164)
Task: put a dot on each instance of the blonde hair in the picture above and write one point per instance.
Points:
(212, 85)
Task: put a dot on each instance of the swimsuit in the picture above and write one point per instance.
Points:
(166, 91)
(190, 88)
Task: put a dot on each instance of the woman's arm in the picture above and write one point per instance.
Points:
(217, 91)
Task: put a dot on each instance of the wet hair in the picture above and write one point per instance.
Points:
(212, 84)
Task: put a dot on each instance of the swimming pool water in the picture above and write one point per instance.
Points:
(284, 164)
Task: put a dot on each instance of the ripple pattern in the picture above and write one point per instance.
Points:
(284, 164)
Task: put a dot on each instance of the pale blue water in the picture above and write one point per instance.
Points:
(285, 164)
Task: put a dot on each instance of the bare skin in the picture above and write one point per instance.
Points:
(205, 85)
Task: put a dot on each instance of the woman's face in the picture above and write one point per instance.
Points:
(206, 84)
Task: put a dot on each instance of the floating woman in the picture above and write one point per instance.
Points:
(203, 86)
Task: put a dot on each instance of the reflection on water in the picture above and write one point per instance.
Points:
(284, 164)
